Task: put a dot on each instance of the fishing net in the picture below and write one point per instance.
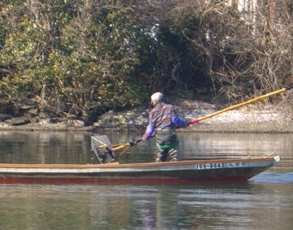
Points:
(102, 148)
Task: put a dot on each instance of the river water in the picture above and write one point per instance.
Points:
(265, 202)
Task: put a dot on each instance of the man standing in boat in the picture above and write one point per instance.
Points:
(164, 120)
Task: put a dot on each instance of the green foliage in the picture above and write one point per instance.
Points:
(97, 54)
(81, 56)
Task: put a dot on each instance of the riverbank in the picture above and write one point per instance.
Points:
(254, 118)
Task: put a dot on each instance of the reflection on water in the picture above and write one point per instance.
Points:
(210, 206)
(204, 145)
(74, 147)
(44, 147)
(274, 177)
(265, 202)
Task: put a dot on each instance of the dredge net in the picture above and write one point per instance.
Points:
(102, 148)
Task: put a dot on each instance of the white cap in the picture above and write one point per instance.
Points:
(157, 97)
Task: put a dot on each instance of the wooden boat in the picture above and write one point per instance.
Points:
(214, 170)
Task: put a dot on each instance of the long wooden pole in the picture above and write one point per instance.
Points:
(195, 120)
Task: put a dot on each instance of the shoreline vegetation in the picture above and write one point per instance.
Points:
(92, 65)
(76, 60)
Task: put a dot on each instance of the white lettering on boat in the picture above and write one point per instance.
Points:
(221, 165)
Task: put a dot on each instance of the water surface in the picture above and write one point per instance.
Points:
(265, 202)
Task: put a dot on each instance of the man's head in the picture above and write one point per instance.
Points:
(156, 98)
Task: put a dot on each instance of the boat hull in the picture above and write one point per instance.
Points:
(217, 170)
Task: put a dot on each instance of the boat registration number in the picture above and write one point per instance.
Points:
(222, 165)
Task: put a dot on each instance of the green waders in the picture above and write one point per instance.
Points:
(167, 142)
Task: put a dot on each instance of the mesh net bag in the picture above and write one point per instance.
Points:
(102, 148)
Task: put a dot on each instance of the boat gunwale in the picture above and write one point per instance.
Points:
(143, 164)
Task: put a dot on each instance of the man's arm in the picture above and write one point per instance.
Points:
(179, 122)
(149, 132)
